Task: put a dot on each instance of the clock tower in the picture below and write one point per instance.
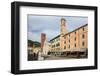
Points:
(63, 26)
(63, 31)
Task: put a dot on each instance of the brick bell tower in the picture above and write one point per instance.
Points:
(63, 31)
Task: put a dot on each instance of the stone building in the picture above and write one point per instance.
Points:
(76, 40)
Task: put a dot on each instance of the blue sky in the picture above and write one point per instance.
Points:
(50, 25)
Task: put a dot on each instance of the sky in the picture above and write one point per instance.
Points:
(50, 25)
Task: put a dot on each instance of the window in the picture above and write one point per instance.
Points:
(64, 37)
(64, 42)
(82, 43)
(57, 44)
(64, 47)
(69, 46)
(83, 36)
(75, 45)
(53, 46)
(83, 28)
(75, 35)
(69, 40)
(75, 32)
(75, 39)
